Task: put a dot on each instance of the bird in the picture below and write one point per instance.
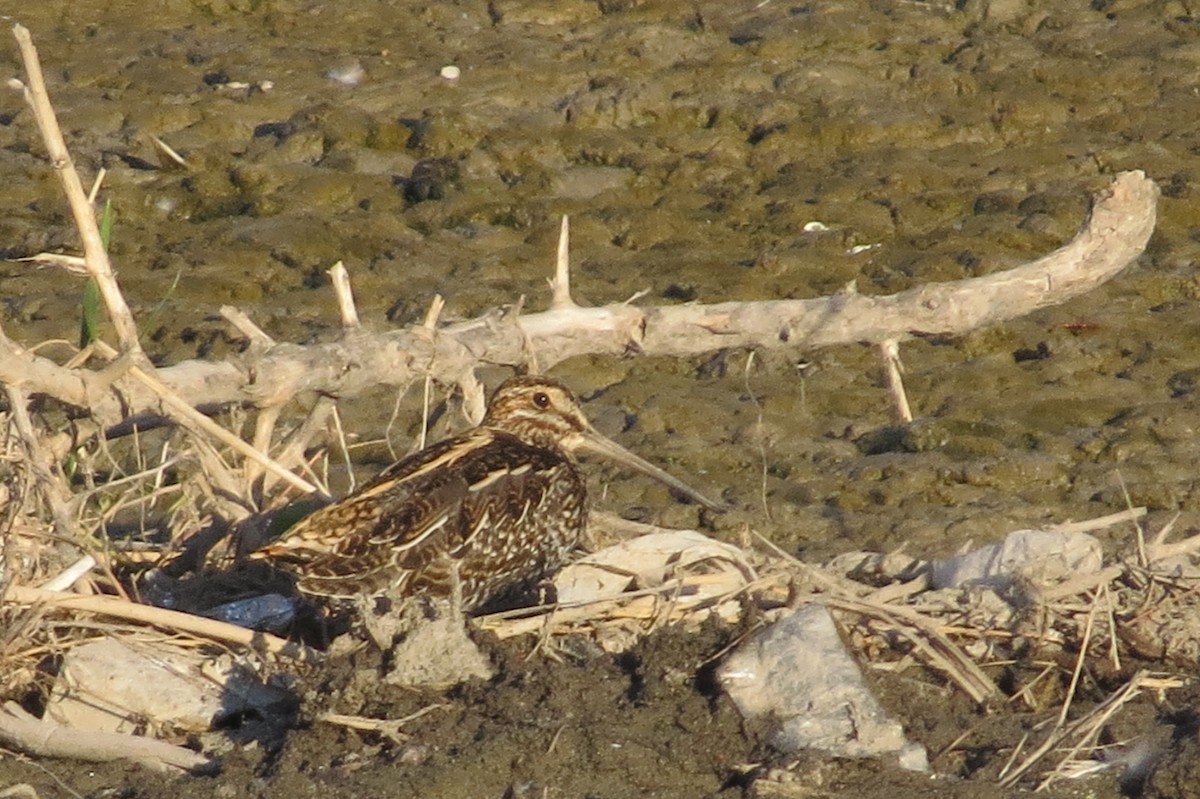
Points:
(474, 518)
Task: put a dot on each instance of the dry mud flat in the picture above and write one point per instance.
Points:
(692, 146)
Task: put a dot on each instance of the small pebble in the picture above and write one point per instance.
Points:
(451, 72)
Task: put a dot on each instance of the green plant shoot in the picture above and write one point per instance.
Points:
(90, 320)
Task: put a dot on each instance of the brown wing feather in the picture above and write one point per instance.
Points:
(460, 500)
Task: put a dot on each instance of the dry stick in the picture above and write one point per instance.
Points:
(167, 157)
(1161, 536)
(297, 442)
(434, 313)
(343, 447)
(1152, 552)
(350, 321)
(264, 430)
(1060, 730)
(1090, 726)
(760, 434)
(161, 617)
(1080, 585)
(1099, 523)
(1187, 546)
(428, 328)
(893, 370)
(269, 413)
(41, 737)
(1142, 560)
(1026, 694)
(1083, 649)
(190, 414)
(1012, 759)
(426, 403)
(246, 327)
(1114, 650)
(85, 217)
(643, 604)
(74, 264)
(345, 295)
(560, 285)
(388, 727)
(96, 184)
(68, 576)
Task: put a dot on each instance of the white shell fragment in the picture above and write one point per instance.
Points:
(451, 72)
(799, 672)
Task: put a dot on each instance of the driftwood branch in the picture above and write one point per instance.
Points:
(1115, 233)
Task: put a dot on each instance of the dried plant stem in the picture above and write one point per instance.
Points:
(1086, 728)
(258, 338)
(1079, 663)
(293, 449)
(1100, 522)
(560, 285)
(42, 737)
(391, 728)
(95, 257)
(264, 431)
(893, 371)
(345, 295)
(161, 617)
(52, 485)
(939, 651)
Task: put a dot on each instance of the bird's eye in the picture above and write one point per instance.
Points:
(542, 400)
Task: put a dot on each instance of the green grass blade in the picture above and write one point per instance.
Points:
(89, 324)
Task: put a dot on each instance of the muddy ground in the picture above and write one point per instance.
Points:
(691, 143)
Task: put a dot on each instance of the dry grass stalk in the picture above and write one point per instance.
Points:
(391, 729)
(1083, 732)
(933, 648)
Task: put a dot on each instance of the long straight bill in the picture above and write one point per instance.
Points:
(593, 442)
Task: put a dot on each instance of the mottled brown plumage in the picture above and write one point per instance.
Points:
(493, 509)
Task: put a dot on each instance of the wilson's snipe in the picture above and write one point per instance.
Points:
(492, 510)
